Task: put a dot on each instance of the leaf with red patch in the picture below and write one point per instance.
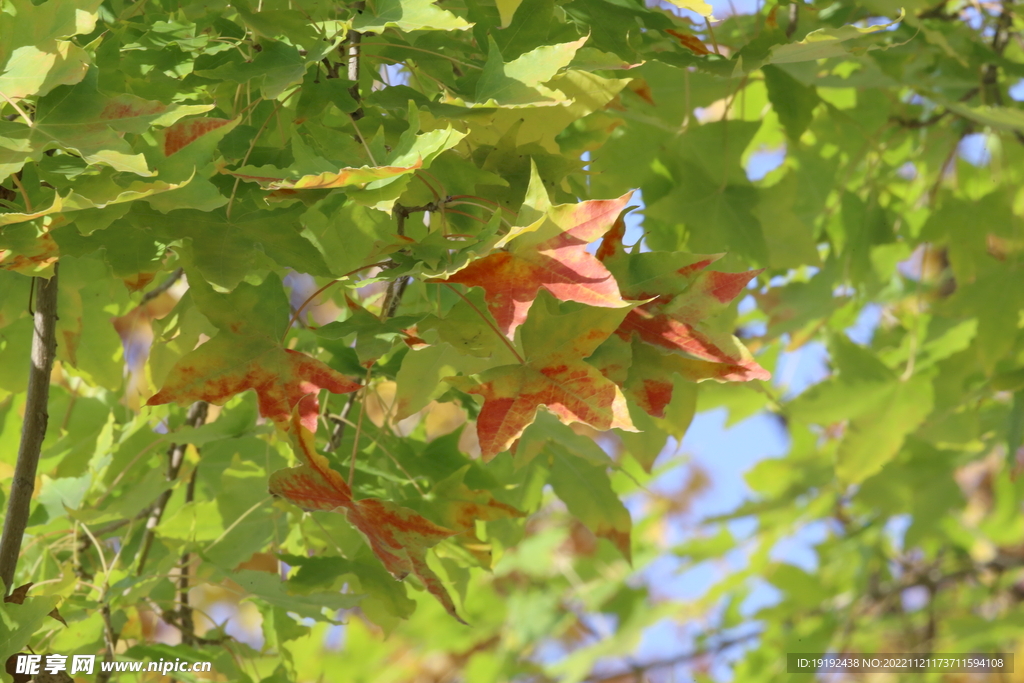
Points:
(550, 252)
(247, 354)
(681, 298)
(456, 506)
(690, 42)
(271, 178)
(646, 375)
(184, 133)
(398, 536)
(83, 120)
(26, 249)
(553, 375)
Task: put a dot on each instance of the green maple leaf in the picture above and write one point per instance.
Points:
(227, 248)
(408, 15)
(35, 53)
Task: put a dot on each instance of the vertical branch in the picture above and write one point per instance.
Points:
(338, 431)
(175, 457)
(44, 347)
(794, 19)
(352, 51)
(186, 623)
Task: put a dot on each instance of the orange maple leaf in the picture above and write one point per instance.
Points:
(550, 253)
(398, 536)
(247, 354)
(553, 375)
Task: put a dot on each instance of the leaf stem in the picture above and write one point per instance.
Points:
(245, 159)
(430, 187)
(359, 136)
(493, 210)
(18, 109)
(711, 32)
(467, 215)
(21, 188)
(298, 311)
(483, 317)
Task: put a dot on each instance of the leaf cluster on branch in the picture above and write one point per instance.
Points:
(365, 303)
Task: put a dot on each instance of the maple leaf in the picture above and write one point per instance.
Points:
(247, 354)
(398, 536)
(680, 296)
(550, 253)
(553, 374)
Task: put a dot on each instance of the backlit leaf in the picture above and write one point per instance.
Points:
(553, 375)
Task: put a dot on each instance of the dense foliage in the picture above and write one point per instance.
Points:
(413, 230)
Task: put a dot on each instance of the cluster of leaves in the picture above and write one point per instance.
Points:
(391, 221)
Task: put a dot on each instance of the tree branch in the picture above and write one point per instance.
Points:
(187, 624)
(638, 670)
(354, 38)
(171, 280)
(44, 348)
(339, 423)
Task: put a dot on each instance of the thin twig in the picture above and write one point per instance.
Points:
(175, 457)
(711, 32)
(360, 138)
(320, 291)
(171, 280)
(187, 626)
(359, 428)
(245, 159)
(639, 670)
(33, 430)
(383, 448)
(339, 423)
(352, 49)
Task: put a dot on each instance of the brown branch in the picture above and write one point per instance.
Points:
(339, 423)
(175, 458)
(794, 19)
(639, 670)
(33, 430)
(187, 625)
(110, 638)
(354, 38)
(171, 280)
(396, 288)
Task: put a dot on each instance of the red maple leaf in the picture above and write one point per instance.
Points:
(680, 297)
(550, 253)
